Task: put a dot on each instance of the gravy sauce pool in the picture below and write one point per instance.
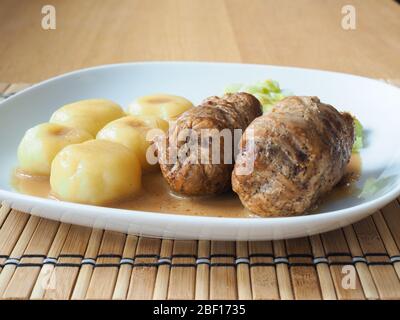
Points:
(157, 197)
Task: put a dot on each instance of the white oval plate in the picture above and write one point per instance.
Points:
(375, 103)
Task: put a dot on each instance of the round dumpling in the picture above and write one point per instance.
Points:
(90, 115)
(95, 172)
(165, 106)
(41, 143)
(132, 132)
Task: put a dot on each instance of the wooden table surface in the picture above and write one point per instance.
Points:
(306, 33)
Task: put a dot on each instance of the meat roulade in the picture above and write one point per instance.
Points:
(299, 151)
(186, 154)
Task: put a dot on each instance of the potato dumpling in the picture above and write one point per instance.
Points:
(95, 172)
(152, 122)
(131, 131)
(41, 143)
(90, 115)
(165, 106)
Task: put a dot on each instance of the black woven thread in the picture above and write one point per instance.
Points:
(300, 255)
(222, 255)
(68, 265)
(155, 256)
(183, 265)
(342, 263)
(377, 254)
(217, 264)
(167, 260)
(107, 265)
(72, 256)
(301, 264)
(181, 256)
(144, 265)
(25, 264)
(109, 255)
(33, 256)
(261, 255)
(338, 254)
(262, 264)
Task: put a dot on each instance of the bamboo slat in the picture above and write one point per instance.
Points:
(243, 272)
(105, 274)
(86, 270)
(4, 211)
(263, 274)
(125, 270)
(338, 255)
(19, 248)
(324, 275)
(3, 87)
(223, 272)
(203, 271)
(387, 239)
(144, 274)
(14, 88)
(163, 272)
(25, 276)
(384, 275)
(391, 215)
(283, 272)
(303, 273)
(47, 279)
(69, 261)
(183, 270)
(365, 275)
(10, 233)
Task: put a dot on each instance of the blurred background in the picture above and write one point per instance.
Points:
(304, 33)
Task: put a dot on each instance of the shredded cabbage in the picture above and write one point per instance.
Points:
(267, 92)
(358, 133)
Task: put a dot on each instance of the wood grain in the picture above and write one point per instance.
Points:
(304, 33)
(223, 283)
(182, 276)
(103, 280)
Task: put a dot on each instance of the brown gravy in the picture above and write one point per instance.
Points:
(157, 197)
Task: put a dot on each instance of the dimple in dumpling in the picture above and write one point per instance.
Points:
(132, 131)
(90, 115)
(95, 172)
(41, 143)
(165, 106)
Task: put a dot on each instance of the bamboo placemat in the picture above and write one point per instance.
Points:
(44, 259)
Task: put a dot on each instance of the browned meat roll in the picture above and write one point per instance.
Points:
(299, 151)
(195, 173)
